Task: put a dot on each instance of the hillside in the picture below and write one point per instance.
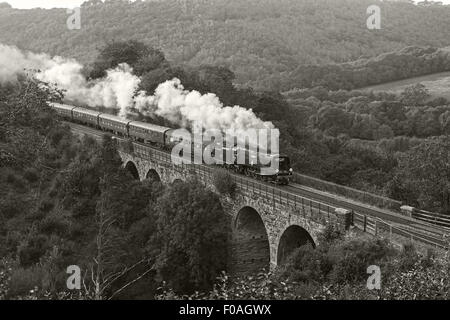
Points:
(262, 41)
(437, 85)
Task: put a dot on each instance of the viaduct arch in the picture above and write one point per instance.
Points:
(132, 169)
(153, 175)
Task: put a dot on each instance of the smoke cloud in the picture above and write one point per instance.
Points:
(119, 90)
(184, 107)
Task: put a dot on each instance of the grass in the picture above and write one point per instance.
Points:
(438, 85)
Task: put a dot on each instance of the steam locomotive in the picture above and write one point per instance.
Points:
(166, 138)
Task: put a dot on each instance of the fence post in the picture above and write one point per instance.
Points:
(303, 208)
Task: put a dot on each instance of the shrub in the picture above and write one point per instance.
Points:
(25, 281)
(11, 177)
(351, 258)
(15, 180)
(330, 235)
(305, 264)
(224, 183)
(408, 257)
(46, 205)
(53, 225)
(30, 252)
(31, 174)
(11, 206)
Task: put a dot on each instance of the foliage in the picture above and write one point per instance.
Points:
(224, 183)
(415, 95)
(269, 44)
(137, 55)
(423, 175)
(190, 243)
(337, 272)
(350, 259)
(401, 64)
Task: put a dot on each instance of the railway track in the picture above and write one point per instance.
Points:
(431, 234)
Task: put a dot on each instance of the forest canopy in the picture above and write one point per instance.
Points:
(264, 42)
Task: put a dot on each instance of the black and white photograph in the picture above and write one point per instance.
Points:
(219, 157)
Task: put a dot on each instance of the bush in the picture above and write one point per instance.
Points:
(31, 174)
(15, 180)
(30, 253)
(351, 258)
(46, 205)
(25, 281)
(330, 235)
(305, 264)
(11, 206)
(224, 183)
(53, 225)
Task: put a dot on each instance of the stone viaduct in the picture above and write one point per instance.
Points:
(267, 222)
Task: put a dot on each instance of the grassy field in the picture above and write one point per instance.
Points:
(438, 84)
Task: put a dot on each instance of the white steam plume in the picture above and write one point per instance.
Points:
(184, 107)
(118, 90)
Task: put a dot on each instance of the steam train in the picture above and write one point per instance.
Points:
(166, 138)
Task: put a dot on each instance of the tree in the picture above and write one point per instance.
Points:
(415, 95)
(426, 170)
(333, 120)
(134, 53)
(111, 268)
(224, 183)
(191, 240)
(384, 132)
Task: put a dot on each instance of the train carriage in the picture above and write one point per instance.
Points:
(63, 110)
(167, 138)
(114, 124)
(86, 116)
(147, 132)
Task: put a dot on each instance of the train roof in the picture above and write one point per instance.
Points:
(149, 126)
(114, 118)
(87, 111)
(61, 106)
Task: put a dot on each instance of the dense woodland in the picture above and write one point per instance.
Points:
(402, 64)
(266, 43)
